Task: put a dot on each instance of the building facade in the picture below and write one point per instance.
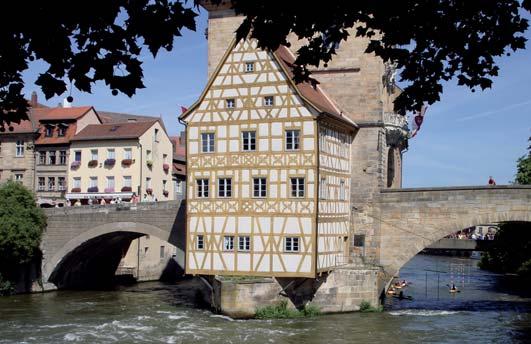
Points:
(57, 126)
(257, 179)
(116, 160)
(179, 165)
(17, 152)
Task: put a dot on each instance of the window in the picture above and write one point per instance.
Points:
(342, 190)
(51, 183)
(228, 243)
(77, 156)
(323, 188)
(162, 252)
(291, 244)
(249, 67)
(51, 157)
(292, 139)
(61, 131)
(269, 101)
(49, 131)
(165, 158)
(110, 182)
(61, 183)
(19, 177)
(179, 186)
(249, 140)
(111, 154)
(297, 187)
(148, 154)
(259, 187)
(244, 243)
(93, 154)
(200, 243)
(62, 157)
(359, 240)
(128, 153)
(93, 182)
(207, 142)
(224, 187)
(202, 188)
(19, 149)
(42, 184)
(76, 182)
(148, 183)
(127, 181)
(156, 136)
(230, 103)
(42, 158)
(164, 185)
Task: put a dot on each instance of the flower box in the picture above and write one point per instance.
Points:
(75, 164)
(166, 167)
(149, 163)
(93, 163)
(165, 193)
(127, 189)
(75, 190)
(109, 162)
(149, 191)
(92, 189)
(127, 162)
(107, 190)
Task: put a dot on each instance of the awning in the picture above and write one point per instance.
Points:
(106, 195)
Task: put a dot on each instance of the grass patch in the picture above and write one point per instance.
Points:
(281, 311)
(366, 307)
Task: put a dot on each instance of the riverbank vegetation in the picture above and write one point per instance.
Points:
(366, 307)
(22, 224)
(281, 311)
(510, 251)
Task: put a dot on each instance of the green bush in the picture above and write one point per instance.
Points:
(6, 287)
(366, 307)
(281, 311)
(22, 224)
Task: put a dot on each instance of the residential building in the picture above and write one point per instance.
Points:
(179, 165)
(57, 126)
(268, 171)
(118, 159)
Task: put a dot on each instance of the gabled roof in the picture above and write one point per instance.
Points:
(42, 139)
(114, 131)
(24, 127)
(313, 96)
(60, 113)
(119, 117)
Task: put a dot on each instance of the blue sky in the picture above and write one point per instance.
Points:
(465, 138)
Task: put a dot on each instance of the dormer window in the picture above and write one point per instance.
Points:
(230, 103)
(249, 67)
(49, 131)
(61, 131)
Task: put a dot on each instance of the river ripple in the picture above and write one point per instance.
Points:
(490, 309)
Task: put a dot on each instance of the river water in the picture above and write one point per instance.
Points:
(489, 309)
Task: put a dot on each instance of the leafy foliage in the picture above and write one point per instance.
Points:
(281, 311)
(523, 169)
(22, 224)
(6, 287)
(511, 249)
(366, 307)
(102, 40)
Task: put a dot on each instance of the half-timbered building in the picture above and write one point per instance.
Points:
(268, 170)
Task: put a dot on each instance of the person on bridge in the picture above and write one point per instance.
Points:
(492, 182)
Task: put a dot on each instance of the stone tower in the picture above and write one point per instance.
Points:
(363, 87)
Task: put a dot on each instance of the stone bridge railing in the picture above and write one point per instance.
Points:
(109, 208)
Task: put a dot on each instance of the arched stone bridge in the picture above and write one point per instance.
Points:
(412, 219)
(86, 243)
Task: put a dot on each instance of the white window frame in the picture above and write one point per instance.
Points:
(225, 187)
(208, 142)
(59, 186)
(292, 244)
(259, 187)
(110, 182)
(244, 243)
(51, 184)
(93, 154)
(75, 155)
(228, 243)
(148, 182)
(249, 67)
(128, 153)
(111, 153)
(323, 188)
(42, 158)
(202, 188)
(179, 186)
(200, 242)
(297, 187)
(342, 191)
(19, 177)
(52, 155)
(269, 101)
(230, 103)
(127, 181)
(41, 186)
(19, 150)
(63, 154)
(292, 139)
(249, 141)
(76, 182)
(93, 182)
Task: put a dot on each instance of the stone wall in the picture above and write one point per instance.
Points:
(340, 291)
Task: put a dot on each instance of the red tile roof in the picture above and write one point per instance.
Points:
(118, 117)
(25, 126)
(55, 139)
(179, 149)
(179, 169)
(113, 131)
(60, 113)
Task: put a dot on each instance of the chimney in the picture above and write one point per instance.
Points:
(34, 99)
(182, 139)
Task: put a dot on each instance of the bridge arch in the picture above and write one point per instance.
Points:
(80, 254)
